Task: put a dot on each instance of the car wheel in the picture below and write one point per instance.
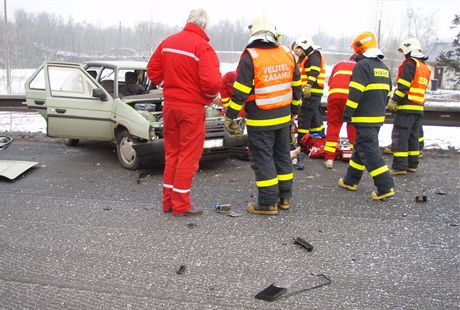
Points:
(126, 154)
(71, 142)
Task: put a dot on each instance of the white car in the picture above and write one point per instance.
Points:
(89, 101)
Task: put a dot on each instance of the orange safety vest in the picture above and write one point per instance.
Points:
(318, 86)
(419, 84)
(303, 75)
(273, 72)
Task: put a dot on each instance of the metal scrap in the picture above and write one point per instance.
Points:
(5, 142)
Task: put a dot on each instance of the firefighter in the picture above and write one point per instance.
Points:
(408, 102)
(313, 72)
(268, 84)
(188, 68)
(226, 87)
(369, 88)
(336, 100)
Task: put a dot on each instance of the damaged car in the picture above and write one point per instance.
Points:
(115, 101)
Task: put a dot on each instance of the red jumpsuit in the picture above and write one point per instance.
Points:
(187, 68)
(338, 93)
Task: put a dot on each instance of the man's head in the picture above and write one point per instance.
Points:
(198, 17)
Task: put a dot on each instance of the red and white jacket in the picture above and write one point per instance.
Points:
(340, 79)
(187, 67)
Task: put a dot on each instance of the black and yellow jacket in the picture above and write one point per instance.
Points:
(243, 88)
(314, 70)
(370, 87)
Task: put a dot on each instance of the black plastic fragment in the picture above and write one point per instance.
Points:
(192, 225)
(271, 293)
(181, 269)
(303, 243)
(421, 198)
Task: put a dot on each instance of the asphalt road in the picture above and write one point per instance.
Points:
(80, 232)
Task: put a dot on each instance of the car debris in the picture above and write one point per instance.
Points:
(192, 225)
(421, 198)
(303, 243)
(5, 142)
(181, 269)
(11, 169)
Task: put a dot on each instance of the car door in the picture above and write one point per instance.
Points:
(72, 111)
(35, 90)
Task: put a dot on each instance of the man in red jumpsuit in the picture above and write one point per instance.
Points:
(187, 68)
(336, 100)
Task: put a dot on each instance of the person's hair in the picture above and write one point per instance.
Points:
(198, 17)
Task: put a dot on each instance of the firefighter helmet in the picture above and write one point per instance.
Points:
(409, 45)
(303, 42)
(363, 42)
(262, 24)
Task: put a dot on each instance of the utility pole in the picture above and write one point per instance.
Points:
(7, 52)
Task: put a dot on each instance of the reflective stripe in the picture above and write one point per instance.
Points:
(296, 83)
(417, 91)
(268, 122)
(167, 185)
(314, 68)
(421, 139)
(368, 119)
(378, 171)
(400, 154)
(225, 105)
(357, 86)
(312, 78)
(262, 102)
(182, 191)
(338, 90)
(329, 149)
(400, 93)
(225, 100)
(242, 88)
(317, 90)
(414, 153)
(176, 51)
(266, 183)
(344, 72)
(410, 107)
(416, 99)
(297, 102)
(357, 166)
(253, 52)
(273, 88)
(234, 106)
(285, 177)
(316, 129)
(331, 143)
(352, 104)
(377, 86)
(404, 82)
(300, 130)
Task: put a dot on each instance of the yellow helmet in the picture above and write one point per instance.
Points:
(409, 45)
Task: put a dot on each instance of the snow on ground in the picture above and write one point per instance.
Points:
(436, 137)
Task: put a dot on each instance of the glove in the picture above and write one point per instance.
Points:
(232, 127)
(307, 91)
(392, 106)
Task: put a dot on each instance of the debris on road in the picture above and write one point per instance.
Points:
(421, 198)
(303, 243)
(192, 225)
(5, 142)
(181, 269)
(11, 169)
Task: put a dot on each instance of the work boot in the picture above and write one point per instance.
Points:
(262, 209)
(387, 150)
(190, 212)
(397, 172)
(300, 161)
(329, 163)
(376, 196)
(347, 186)
(283, 204)
(411, 169)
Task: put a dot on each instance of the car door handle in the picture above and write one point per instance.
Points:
(39, 102)
(61, 111)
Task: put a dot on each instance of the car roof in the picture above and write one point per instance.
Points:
(137, 65)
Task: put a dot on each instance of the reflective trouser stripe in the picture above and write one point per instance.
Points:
(400, 154)
(378, 171)
(285, 177)
(414, 153)
(357, 166)
(301, 130)
(265, 183)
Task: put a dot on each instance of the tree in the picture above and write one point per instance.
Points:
(452, 58)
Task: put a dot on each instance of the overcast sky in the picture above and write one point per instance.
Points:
(336, 17)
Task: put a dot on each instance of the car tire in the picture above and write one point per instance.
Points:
(126, 154)
(71, 142)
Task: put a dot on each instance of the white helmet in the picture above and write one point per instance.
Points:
(410, 45)
(303, 42)
(262, 24)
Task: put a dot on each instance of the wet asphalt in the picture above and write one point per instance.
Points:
(80, 232)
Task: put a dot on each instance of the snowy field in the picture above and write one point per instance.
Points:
(435, 136)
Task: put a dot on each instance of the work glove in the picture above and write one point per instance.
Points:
(307, 91)
(232, 127)
(392, 106)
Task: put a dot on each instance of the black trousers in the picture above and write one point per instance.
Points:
(367, 155)
(269, 152)
(405, 140)
(310, 119)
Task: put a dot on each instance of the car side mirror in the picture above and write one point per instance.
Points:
(99, 93)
